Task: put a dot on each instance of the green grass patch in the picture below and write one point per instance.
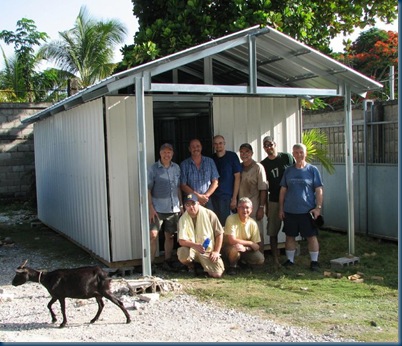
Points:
(365, 311)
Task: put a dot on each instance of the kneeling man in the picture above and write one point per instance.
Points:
(195, 225)
(242, 237)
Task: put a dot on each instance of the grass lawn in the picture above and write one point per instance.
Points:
(328, 301)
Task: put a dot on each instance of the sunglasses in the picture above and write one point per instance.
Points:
(268, 145)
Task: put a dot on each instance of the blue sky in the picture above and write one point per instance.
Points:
(52, 16)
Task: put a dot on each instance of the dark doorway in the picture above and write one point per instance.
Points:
(179, 122)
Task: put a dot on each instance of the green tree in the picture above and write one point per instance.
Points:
(11, 80)
(20, 72)
(372, 54)
(86, 50)
(168, 26)
(47, 86)
(316, 143)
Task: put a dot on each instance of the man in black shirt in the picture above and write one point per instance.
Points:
(275, 164)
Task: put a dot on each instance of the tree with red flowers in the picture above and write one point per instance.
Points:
(372, 54)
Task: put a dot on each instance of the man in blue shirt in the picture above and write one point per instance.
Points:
(199, 175)
(228, 164)
(300, 198)
(165, 200)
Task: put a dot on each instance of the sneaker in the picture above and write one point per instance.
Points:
(288, 264)
(314, 266)
(232, 271)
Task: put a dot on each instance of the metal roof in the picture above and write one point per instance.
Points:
(255, 61)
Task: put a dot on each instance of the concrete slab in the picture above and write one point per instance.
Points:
(344, 261)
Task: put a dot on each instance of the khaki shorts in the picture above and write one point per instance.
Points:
(169, 220)
(250, 257)
(274, 224)
(189, 254)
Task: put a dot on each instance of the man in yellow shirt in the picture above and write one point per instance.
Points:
(195, 225)
(242, 237)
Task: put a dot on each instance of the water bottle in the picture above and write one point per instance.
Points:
(206, 242)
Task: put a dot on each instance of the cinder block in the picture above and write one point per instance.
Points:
(126, 271)
(149, 297)
(344, 261)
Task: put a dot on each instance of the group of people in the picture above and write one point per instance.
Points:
(223, 201)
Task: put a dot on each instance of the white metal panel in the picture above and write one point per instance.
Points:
(71, 176)
(246, 119)
(123, 174)
(250, 119)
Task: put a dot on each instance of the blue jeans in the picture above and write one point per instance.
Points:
(221, 205)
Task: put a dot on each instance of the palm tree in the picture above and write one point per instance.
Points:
(11, 81)
(46, 86)
(17, 78)
(316, 142)
(86, 50)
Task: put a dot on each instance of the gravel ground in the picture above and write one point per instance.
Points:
(175, 317)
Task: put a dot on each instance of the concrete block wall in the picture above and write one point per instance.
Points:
(17, 160)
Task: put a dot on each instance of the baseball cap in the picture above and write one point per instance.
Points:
(268, 139)
(247, 146)
(190, 197)
(317, 222)
(166, 146)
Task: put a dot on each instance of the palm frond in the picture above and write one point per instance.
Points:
(316, 143)
(86, 50)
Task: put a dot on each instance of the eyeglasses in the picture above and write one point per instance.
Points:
(268, 145)
(189, 204)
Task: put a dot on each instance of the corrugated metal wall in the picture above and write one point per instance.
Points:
(375, 199)
(76, 195)
(80, 187)
(250, 119)
(123, 174)
(71, 175)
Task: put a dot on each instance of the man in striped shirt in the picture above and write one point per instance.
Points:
(199, 175)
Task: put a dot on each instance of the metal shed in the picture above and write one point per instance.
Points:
(92, 149)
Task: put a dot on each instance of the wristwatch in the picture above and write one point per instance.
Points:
(318, 207)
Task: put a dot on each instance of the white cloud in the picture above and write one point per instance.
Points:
(336, 43)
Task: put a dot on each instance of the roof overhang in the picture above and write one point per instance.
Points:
(255, 61)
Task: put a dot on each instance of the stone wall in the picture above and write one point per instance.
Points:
(385, 111)
(17, 161)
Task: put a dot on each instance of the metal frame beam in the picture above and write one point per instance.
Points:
(142, 173)
(349, 168)
(233, 89)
